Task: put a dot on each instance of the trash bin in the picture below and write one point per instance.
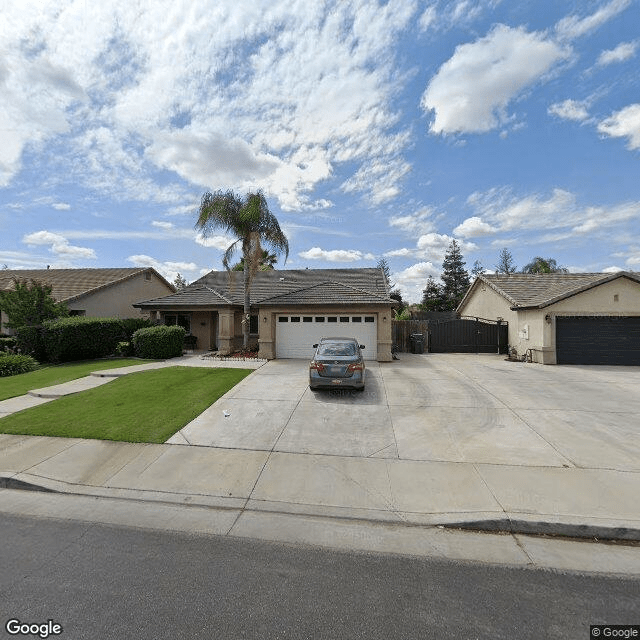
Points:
(416, 341)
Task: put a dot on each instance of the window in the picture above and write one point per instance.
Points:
(319, 319)
(369, 319)
(332, 319)
(253, 324)
(295, 318)
(179, 320)
(147, 275)
(356, 319)
(344, 318)
(307, 319)
(283, 319)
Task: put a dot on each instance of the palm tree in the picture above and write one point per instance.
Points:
(266, 262)
(251, 222)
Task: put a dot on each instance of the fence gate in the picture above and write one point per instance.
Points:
(468, 335)
(402, 330)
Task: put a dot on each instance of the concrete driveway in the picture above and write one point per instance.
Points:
(437, 407)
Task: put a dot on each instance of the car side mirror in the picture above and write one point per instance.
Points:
(315, 346)
(362, 346)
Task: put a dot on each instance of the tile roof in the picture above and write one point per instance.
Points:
(283, 287)
(68, 284)
(538, 290)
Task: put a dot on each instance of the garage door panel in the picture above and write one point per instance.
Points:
(296, 334)
(613, 340)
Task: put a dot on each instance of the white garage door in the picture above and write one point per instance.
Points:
(296, 334)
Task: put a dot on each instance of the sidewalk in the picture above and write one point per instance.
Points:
(230, 483)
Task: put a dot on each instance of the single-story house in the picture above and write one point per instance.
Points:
(563, 318)
(290, 310)
(105, 293)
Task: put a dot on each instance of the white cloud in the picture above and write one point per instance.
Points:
(573, 27)
(58, 245)
(416, 223)
(61, 206)
(162, 225)
(168, 269)
(218, 242)
(569, 110)
(471, 91)
(612, 269)
(624, 123)
(399, 253)
(412, 280)
(433, 246)
(427, 18)
(474, 227)
(559, 211)
(622, 52)
(189, 88)
(336, 255)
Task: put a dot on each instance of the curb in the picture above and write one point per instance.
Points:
(499, 524)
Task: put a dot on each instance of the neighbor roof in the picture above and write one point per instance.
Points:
(538, 290)
(70, 284)
(282, 288)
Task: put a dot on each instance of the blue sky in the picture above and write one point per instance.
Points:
(374, 129)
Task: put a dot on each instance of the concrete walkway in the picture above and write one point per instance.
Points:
(263, 493)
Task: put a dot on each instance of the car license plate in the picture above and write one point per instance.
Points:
(336, 382)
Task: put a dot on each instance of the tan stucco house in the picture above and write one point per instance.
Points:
(104, 293)
(290, 310)
(563, 318)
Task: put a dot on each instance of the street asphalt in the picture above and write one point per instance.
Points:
(435, 443)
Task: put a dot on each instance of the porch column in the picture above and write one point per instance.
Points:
(225, 331)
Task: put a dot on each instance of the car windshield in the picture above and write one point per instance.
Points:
(337, 349)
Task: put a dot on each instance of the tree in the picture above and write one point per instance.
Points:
(180, 282)
(505, 264)
(454, 276)
(29, 304)
(384, 266)
(433, 296)
(266, 262)
(251, 222)
(542, 265)
(477, 269)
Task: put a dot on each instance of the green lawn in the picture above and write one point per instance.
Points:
(149, 406)
(12, 386)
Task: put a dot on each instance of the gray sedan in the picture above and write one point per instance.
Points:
(337, 362)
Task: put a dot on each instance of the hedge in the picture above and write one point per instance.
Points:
(29, 340)
(131, 325)
(159, 342)
(7, 343)
(81, 338)
(12, 364)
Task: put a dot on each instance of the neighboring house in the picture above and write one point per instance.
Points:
(563, 318)
(105, 293)
(290, 310)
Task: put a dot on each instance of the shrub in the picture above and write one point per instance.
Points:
(81, 338)
(159, 342)
(131, 325)
(124, 349)
(12, 364)
(29, 341)
(7, 343)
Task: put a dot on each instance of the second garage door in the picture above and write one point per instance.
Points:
(296, 334)
(598, 340)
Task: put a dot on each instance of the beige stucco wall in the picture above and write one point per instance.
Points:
(535, 329)
(117, 300)
(267, 326)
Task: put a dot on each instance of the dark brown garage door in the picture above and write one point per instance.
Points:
(598, 340)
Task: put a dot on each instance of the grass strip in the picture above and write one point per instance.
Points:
(13, 386)
(149, 406)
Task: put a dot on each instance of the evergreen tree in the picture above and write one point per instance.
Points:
(433, 296)
(505, 264)
(454, 276)
(180, 282)
(384, 265)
